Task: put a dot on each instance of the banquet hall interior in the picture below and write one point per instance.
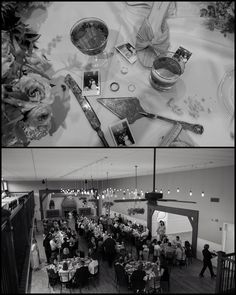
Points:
(135, 220)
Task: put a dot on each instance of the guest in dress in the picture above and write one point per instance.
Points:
(34, 256)
(161, 230)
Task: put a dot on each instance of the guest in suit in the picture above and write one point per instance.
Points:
(81, 276)
(137, 279)
(207, 256)
(47, 247)
(110, 249)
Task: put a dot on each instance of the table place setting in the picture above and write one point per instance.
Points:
(115, 74)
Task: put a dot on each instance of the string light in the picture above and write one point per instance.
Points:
(168, 192)
(203, 194)
(177, 189)
(190, 193)
(161, 191)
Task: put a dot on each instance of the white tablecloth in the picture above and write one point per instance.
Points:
(212, 56)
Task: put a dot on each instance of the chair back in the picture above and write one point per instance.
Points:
(121, 275)
(96, 269)
(64, 277)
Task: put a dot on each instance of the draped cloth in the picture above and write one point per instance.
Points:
(153, 36)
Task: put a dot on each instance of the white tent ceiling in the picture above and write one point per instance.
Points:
(99, 163)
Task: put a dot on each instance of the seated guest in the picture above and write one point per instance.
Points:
(65, 274)
(53, 245)
(93, 265)
(177, 241)
(65, 243)
(65, 253)
(137, 279)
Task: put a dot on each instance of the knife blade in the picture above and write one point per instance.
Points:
(86, 107)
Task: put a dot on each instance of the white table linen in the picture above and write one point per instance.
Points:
(212, 56)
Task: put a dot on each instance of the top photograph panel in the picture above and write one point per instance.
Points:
(117, 74)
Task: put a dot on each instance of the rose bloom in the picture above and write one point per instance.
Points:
(7, 56)
(36, 87)
(40, 115)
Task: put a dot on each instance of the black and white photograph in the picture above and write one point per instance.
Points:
(74, 219)
(121, 134)
(113, 49)
(128, 51)
(118, 147)
(91, 83)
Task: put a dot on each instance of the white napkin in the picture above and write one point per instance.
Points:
(153, 36)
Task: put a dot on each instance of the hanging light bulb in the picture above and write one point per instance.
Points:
(97, 197)
(103, 197)
(190, 193)
(161, 191)
(203, 194)
(168, 192)
(177, 189)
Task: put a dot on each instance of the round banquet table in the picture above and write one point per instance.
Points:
(212, 56)
(73, 264)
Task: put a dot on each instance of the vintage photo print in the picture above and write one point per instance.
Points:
(91, 83)
(121, 134)
(128, 51)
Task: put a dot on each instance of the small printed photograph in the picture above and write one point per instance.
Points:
(128, 51)
(121, 134)
(91, 83)
(183, 53)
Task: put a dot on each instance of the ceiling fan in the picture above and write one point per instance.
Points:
(153, 197)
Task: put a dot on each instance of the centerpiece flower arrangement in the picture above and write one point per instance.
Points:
(26, 89)
(220, 15)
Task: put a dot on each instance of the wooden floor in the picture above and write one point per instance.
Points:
(185, 280)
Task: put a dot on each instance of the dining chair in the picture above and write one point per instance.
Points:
(94, 278)
(53, 278)
(65, 280)
(121, 277)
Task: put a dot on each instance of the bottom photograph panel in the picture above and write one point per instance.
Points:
(137, 220)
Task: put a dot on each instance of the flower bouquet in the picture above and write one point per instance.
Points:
(26, 89)
(220, 15)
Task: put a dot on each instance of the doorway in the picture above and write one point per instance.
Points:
(228, 238)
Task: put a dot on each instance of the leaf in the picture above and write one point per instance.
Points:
(21, 134)
(37, 71)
